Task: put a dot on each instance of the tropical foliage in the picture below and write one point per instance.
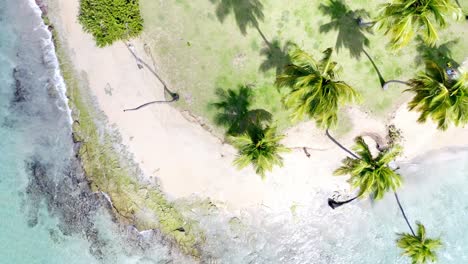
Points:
(314, 89)
(402, 18)
(418, 247)
(261, 148)
(440, 96)
(110, 20)
(371, 175)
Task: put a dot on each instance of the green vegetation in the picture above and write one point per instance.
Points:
(137, 203)
(259, 147)
(314, 91)
(402, 18)
(418, 247)
(227, 50)
(110, 20)
(374, 176)
(440, 96)
(371, 175)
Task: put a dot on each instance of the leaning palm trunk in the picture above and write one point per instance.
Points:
(334, 204)
(385, 86)
(339, 145)
(403, 213)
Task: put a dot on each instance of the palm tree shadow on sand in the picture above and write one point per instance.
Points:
(441, 55)
(276, 56)
(235, 113)
(247, 13)
(351, 34)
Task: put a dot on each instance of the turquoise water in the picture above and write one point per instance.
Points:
(48, 214)
(362, 232)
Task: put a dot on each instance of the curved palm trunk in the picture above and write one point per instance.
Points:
(403, 212)
(385, 86)
(381, 78)
(339, 145)
(334, 204)
(175, 97)
(361, 22)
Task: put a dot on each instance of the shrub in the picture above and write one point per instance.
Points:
(110, 20)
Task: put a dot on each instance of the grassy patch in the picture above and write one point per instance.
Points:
(222, 56)
(141, 204)
(110, 20)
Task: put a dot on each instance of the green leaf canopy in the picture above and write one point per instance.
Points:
(314, 90)
(371, 175)
(402, 18)
(439, 96)
(110, 20)
(419, 248)
(260, 148)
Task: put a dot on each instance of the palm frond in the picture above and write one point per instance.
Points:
(313, 90)
(418, 247)
(261, 148)
(439, 96)
(401, 18)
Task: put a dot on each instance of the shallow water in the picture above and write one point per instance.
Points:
(48, 215)
(47, 212)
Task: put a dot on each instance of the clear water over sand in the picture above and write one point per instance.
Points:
(47, 214)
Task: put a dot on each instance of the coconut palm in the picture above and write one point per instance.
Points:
(402, 18)
(441, 96)
(261, 148)
(314, 91)
(418, 247)
(371, 175)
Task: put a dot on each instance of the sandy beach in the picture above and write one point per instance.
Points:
(188, 160)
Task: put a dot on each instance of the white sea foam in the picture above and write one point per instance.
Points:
(50, 57)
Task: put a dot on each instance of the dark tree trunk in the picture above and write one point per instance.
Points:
(341, 146)
(404, 215)
(385, 86)
(381, 78)
(364, 24)
(175, 97)
(334, 204)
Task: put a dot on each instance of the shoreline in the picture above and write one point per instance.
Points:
(199, 164)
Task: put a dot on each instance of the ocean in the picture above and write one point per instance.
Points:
(49, 215)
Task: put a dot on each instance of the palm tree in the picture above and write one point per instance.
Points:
(371, 175)
(402, 18)
(418, 247)
(441, 95)
(260, 148)
(314, 89)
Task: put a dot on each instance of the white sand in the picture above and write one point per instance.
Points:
(189, 160)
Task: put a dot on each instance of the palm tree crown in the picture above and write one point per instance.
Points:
(314, 90)
(402, 18)
(371, 175)
(441, 96)
(260, 148)
(418, 247)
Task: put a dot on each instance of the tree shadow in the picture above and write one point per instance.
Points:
(350, 34)
(247, 13)
(234, 111)
(441, 55)
(276, 56)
